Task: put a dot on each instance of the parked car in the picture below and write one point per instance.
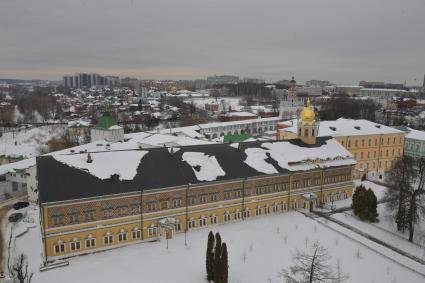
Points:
(20, 204)
(15, 217)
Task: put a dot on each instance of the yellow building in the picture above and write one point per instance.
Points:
(116, 198)
(375, 147)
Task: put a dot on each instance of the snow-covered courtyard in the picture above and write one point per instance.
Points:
(28, 142)
(258, 249)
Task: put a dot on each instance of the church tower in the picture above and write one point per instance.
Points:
(308, 127)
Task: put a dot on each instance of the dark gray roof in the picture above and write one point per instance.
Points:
(158, 169)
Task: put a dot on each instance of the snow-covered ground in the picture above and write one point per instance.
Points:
(28, 142)
(378, 190)
(223, 102)
(258, 249)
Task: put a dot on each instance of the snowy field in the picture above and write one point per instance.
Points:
(223, 102)
(28, 142)
(258, 250)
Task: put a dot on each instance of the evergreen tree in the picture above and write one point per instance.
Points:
(372, 204)
(210, 257)
(357, 199)
(224, 265)
(217, 259)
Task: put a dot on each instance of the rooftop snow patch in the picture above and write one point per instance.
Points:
(256, 158)
(206, 168)
(105, 164)
(295, 158)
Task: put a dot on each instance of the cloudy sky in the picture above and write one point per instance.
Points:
(343, 41)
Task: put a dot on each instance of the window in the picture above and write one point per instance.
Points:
(258, 211)
(58, 219)
(203, 199)
(237, 215)
(107, 212)
(14, 186)
(246, 213)
(191, 200)
(108, 239)
(90, 243)
(74, 217)
(76, 245)
(122, 210)
(227, 194)
(152, 231)
(151, 206)
(191, 224)
(213, 219)
(306, 182)
(177, 202)
(238, 193)
(136, 208)
(122, 236)
(60, 248)
(202, 221)
(89, 214)
(213, 196)
(136, 234)
(226, 216)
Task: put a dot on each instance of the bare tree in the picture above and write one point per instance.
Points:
(313, 266)
(407, 192)
(20, 269)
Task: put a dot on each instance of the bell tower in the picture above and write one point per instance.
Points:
(308, 127)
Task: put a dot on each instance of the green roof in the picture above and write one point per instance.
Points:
(236, 138)
(106, 122)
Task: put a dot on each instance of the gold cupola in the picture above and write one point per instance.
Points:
(308, 127)
(308, 115)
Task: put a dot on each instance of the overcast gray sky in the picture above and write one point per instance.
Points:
(339, 40)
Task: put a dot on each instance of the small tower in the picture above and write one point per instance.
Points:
(308, 128)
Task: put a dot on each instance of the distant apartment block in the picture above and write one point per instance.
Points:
(87, 80)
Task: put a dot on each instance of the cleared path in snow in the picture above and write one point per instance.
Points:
(391, 252)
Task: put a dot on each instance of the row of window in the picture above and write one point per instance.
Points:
(374, 142)
(123, 236)
(108, 239)
(375, 153)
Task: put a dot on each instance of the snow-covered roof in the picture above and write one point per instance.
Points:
(346, 127)
(295, 158)
(105, 164)
(415, 134)
(206, 168)
(156, 168)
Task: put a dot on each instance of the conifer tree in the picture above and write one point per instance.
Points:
(224, 265)
(372, 204)
(217, 259)
(210, 257)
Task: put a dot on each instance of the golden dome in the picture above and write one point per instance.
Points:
(308, 115)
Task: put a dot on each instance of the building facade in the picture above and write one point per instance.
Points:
(375, 147)
(414, 145)
(84, 209)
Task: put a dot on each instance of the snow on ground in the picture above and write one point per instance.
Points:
(223, 102)
(29, 142)
(206, 168)
(378, 190)
(258, 250)
(125, 163)
(386, 222)
(377, 232)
